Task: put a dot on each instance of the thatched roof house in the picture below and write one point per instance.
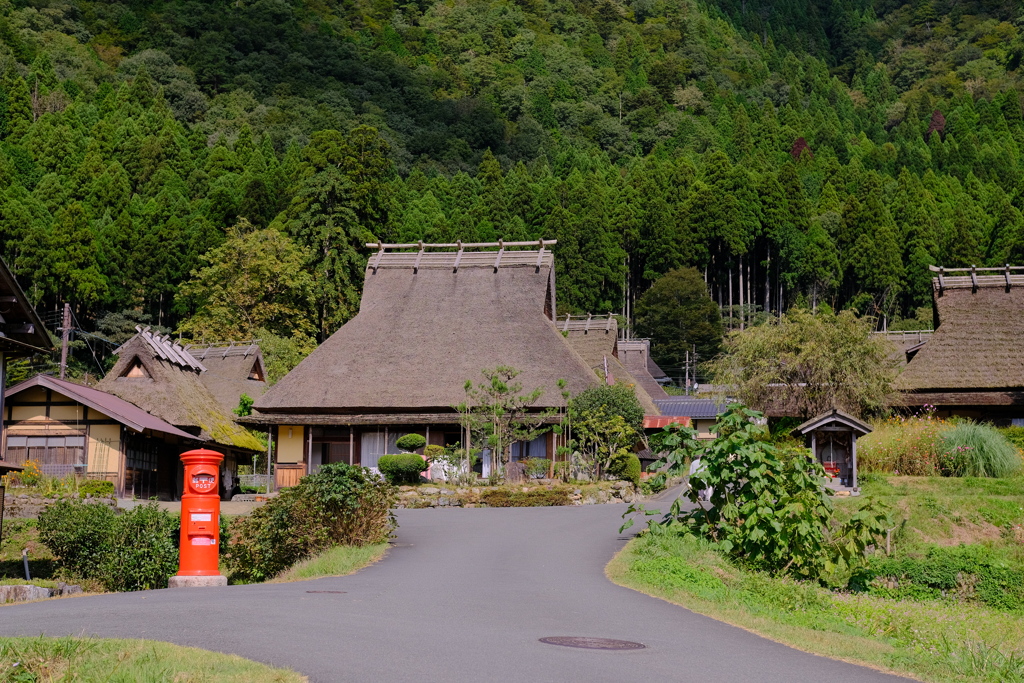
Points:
(164, 379)
(595, 339)
(635, 355)
(973, 364)
(232, 369)
(431, 319)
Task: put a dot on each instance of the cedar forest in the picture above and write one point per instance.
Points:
(215, 168)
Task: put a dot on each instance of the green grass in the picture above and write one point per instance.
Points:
(979, 450)
(25, 660)
(948, 511)
(932, 641)
(337, 561)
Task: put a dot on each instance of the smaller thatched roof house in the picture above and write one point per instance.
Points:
(164, 379)
(635, 355)
(973, 364)
(231, 369)
(69, 428)
(595, 339)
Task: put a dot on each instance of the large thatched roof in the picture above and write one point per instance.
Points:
(979, 342)
(595, 339)
(428, 322)
(232, 369)
(162, 378)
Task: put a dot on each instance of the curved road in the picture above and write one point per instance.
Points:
(463, 596)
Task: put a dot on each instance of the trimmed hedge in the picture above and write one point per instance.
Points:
(411, 442)
(511, 498)
(402, 468)
(96, 487)
(626, 467)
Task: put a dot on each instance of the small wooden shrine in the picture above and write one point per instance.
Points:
(834, 443)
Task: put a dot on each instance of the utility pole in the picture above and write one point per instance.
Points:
(65, 335)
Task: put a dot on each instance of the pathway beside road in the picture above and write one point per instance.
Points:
(463, 596)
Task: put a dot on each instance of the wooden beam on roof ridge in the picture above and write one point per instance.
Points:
(458, 257)
(459, 245)
(497, 259)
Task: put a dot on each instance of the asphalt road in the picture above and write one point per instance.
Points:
(463, 596)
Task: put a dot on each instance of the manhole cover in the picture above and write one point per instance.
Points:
(325, 591)
(593, 643)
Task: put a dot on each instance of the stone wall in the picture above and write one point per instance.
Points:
(431, 496)
(28, 506)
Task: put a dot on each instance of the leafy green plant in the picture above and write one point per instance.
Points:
(79, 535)
(411, 442)
(136, 550)
(340, 504)
(96, 487)
(625, 466)
(143, 550)
(768, 506)
(537, 468)
(977, 450)
(402, 468)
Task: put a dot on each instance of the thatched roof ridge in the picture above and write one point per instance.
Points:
(173, 392)
(421, 333)
(979, 339)
(635, 355)
(595, 340)
(230, 367)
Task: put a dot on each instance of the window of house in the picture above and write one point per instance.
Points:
(136, 370)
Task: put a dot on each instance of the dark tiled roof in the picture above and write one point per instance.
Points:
(701, 408)
(124, 412)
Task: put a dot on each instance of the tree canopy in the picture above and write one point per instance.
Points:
(805, 364)
(678, 316)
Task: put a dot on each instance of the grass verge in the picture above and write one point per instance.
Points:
(337, 561)
(931, 641)
(128, 661)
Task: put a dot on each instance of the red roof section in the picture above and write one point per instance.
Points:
(659, 421)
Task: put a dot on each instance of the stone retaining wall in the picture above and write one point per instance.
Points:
(29, 506)
(31, 592)
(433, 496)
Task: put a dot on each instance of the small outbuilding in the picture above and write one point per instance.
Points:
(833, 438)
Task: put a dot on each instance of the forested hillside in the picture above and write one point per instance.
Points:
(807, 150)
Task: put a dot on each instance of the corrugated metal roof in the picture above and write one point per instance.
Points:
(124, 412)
(659, 421)
(702, 408)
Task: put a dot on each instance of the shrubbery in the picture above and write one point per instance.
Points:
(402, 468)
(924, 445)
(768, 507)
(96, 487)
(510, 498)
(626, 466)
(961, 573)
(340, 504)
(977, 450)
(136, 550)
(411, 442)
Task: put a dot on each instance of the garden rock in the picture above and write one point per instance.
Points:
(23, 593)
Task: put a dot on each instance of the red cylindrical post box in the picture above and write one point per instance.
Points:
(200, 521)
